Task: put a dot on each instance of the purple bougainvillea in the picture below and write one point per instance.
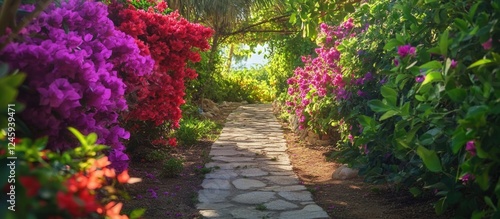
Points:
(75, 60)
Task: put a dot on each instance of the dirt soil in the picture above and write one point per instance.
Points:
(342, 199)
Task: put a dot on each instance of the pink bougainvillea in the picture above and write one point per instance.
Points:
(321, 76)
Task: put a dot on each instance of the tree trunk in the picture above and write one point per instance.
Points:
(213, 51)
(230, 57)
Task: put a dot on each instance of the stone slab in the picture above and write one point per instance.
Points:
(252, 172)
(245, 184)
(296, 196)
(216, 184)
(283, 180)
(254, 197)
(280, 205)
(212, 195)
(308, 212)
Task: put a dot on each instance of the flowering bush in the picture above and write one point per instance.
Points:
(74, 59)
(72, 184)
(320, 81)
(427, 119)
(171, 41)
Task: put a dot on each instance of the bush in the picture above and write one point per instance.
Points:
(172, 167)
(192, 130)
(416, 100)
(75, 59)
(77, 183)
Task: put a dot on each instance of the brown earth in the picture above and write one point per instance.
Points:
(349, 199)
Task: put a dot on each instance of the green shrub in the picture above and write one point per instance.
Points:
(428, 121)
(172, 167)
(191, 130)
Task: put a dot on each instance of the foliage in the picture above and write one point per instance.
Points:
(77, 183)
(172, 167)
(286, 52)
(421, 111)
(192, 130)
(251, 85)
(310, 14)
(9, 84)
(74, 59)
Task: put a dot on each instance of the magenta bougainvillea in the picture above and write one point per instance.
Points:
(75, 59)
(321, 76)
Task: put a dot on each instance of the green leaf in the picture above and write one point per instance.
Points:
(378, 106)
(367, 122)
(411, 134)
(431, 77)
(461, 24)
(430, 159)
(420, 98)
(78, 135)
(473, 9)
(477, 111)
(432, 65)
(458, 140)
(392, 44)
(91, 138)
(477, 214)
(443, 43)
(405, 109)
(489, 202)
(480, 62)
(483, 180)
(415, 191)
(389, 94)
(400, 77)
(137, 213)
(440, 206)
(349, 8)
(388, 114)
(293, 18)
(457, 94)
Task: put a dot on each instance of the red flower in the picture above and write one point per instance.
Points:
(171, 41)
(31, 185)
(66, 201)
(172, 142)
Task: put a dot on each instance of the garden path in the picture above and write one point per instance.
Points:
(252, 176)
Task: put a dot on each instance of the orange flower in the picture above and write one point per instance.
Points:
(109, 172)
(102, 162)
(123, 177)
(112, 210)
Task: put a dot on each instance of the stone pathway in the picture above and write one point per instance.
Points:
(252, 176)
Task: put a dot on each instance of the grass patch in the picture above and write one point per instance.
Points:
(191, 130)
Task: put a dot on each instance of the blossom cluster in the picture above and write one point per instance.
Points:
(171, 41)
(321, 76)
(75, 59)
